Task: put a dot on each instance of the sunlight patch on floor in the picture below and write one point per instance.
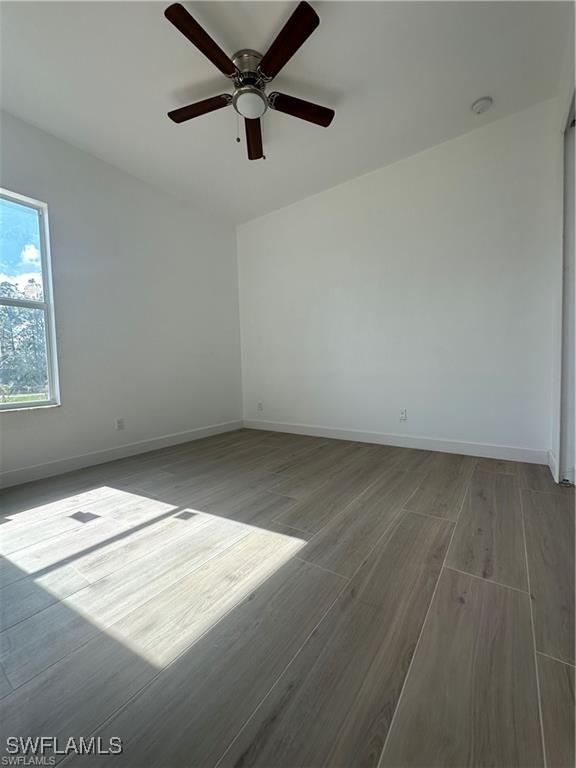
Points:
(174, 620)
(157, 577)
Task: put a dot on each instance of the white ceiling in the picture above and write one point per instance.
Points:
(400, 75)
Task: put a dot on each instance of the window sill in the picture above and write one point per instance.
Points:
(33, 407)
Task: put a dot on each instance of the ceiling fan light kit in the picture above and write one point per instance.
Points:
(249, 102)
(251, 72)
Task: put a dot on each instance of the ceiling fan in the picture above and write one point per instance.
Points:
(251, 72)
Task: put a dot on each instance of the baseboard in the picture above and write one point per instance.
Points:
(512, 453)
(58, 467)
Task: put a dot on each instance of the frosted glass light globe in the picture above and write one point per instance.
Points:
(250, 103)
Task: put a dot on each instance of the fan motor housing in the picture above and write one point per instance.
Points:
(246, 62)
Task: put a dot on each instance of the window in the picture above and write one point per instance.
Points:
(28, 371)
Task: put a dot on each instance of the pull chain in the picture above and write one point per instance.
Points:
(237, 128)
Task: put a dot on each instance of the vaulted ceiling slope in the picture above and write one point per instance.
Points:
(400, 75)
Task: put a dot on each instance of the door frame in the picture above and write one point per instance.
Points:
(566, 469)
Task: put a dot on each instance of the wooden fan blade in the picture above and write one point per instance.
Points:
(199, 108)
(297, 29)
(305, 110)
(254, 138)
(185, 23)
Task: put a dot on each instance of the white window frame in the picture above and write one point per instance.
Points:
(46, 305)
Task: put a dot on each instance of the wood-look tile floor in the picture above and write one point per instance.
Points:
(273, 600)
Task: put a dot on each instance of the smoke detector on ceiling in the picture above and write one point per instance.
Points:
(482, 105)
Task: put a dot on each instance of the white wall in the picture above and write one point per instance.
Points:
(146, 309)
(427, 285)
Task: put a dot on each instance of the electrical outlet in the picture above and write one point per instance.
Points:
(119, 423)
(259, 407)
(404, 415)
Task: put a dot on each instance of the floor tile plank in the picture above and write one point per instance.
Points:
(5, 687)
(502, 466)
(489, 539)
(442, 491)
(473, 672)
(549, 523)
(258, 508)
(314, 511)
(413, 460)
(557, 692)
(25, 597)
(347, 540)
